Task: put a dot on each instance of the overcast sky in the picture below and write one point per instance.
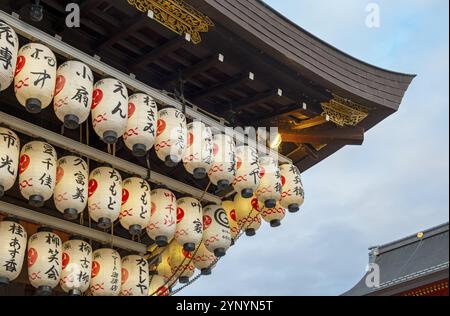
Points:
(395, 185)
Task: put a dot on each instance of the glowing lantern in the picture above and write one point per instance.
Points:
(274, 216)
(204, 260)
(198, 158)
(9, 44)
(293, 194)
(189, 230)
(248, 214)
(106, 275)
(164, 270)
(269, 190)
(181, 263)
(171, 136)
(76, 266)
(223, 170)
(104, 196)
(73, 93)
(140, 133)
(228, 206)
(12, 250)
(248, 176)
(216, 235)
(163, 218)
(158, 286)
(135, 277)
(9, 158)
(37, 172)
(71, 190)
(109, 109)
(44, 261)
(35, 77)
(136, 204)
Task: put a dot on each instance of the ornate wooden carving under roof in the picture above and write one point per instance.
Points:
(344, 112)
(176, 15)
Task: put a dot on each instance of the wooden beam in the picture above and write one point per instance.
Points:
(342, 136)
(312, 152)
(315, 121)
(124, 29)
(221, 87)
(258, 98)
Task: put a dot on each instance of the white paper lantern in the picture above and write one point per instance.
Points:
(44, 261)
(136, 204)
(181, 263)
(110, 109)
(9, 159)
(71, 190)
(37, 172)
(104, 196)
(216, 234)
(223, 170)
(135, 276)
(76, 266)
(163, 218)
(35, 77)
(73, 93)
(158, 286)
(171, 136)
(274, 216)
(248, 176)
(140, 133)
(13, 246)
(198, 158)
(164, 269)
(293, 194)
(269, 190)
(228, 206)
(106, 276)
(204, 260)
(248, 214)
(9, 45)
(189, 230)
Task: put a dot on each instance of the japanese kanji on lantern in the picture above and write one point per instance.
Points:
(37, 172)
(71, 190)
(171, 136)
(44, 261)
(9, 45)
(163, 218)
(204, 260)
(198, 158)
(189, 230)
(274, 216)
(223, 170)
(181, 263)
(230, 209)
(248, 214)
(76, 266)
(136, 205)
(104, 196)
(109, 109)
(247, 177)
(140, 133)
(293, 194)
(135, 276)
(13, 246)
(35, 77)
(269, 190)
(158, 286)
(216, 230)
(73, 93)
(9, 159)
(106, 276)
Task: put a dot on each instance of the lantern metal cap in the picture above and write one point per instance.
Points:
(184, 280)
(36, 201)
(110, 137)
(11, 218)
(2, 191)
(75, 292)
(139, 150)
(104, 223)
(70, 214)
(200, 173)
(71, 121)
(220, 252)
(233, 242)
(247, 193)
(189, 247)
(135, 230)
(77, 237)
(206, 271)
(272, 203)
(44, 229)
(222, 185)
(33, 106)
(161, 241)
(250, 232)
(4, 281)
(171, 161)
(294, 208)
(275, 223)
(44, 290)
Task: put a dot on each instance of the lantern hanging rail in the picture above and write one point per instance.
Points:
(193, 112)
(71, 228)
(68, 144)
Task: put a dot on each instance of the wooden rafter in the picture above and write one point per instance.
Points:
(342, 136)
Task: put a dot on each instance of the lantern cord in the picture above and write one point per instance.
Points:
(149, 167)
(87, 143)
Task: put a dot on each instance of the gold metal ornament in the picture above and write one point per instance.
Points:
(344, 112)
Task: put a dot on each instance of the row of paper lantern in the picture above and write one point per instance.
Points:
(78, 269)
